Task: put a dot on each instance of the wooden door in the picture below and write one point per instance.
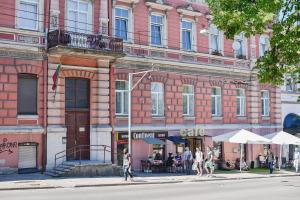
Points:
(77, 118)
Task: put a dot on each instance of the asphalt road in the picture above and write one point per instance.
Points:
(260, 189)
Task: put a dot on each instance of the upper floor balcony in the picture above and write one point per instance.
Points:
(59, 40)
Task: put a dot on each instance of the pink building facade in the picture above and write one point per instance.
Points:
(201, 86)
(22, 85)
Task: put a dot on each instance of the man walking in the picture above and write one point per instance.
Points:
(188, 157)
(127, 164)
(296, 159)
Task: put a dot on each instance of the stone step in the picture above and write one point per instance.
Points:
(50, 173)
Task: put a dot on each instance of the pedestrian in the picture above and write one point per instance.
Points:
(209, 163)
(127, 161)
(199, 161)
(271, 161)
(296, 159)
(188, 159)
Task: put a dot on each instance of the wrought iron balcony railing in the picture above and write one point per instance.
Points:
(84, 41)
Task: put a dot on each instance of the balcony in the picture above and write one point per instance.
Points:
(85, 42)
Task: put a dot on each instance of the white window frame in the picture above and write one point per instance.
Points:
(293, 83)
(263, 40)
(241, 102)
(216, 98)
(39, 14)
(130, 20)
(164, 34)
(89, 27)
(265, 103)
(221, 39)
(189, 96)
(241, 38)
(193, 36)
(158, 95)
(122, 92)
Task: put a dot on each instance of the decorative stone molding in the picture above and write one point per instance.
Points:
(158, 78)
(29, 69)
(218, 83)
(132, 2)
(189, 81)
(240, 84)
(77, 73)
(188, 10)
(103, 26)
(54, 14)
(122, 76)
(158, 4)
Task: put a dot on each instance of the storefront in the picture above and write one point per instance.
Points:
(144, 145)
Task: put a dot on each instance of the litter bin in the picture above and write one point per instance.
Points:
(252, 165)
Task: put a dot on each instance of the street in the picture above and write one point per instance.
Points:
(285, 188)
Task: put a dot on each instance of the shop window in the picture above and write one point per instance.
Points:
(121, 97)
(188, 100)
(157, 96)
(216, 104)
(27, 94)
(241, 102)
(265, 103)
(27, 14)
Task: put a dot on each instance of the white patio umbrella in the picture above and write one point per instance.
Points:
(242, 137)
(282, 138)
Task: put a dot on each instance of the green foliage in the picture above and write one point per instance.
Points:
(257, 16)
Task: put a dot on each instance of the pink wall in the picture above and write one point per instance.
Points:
(10, 158)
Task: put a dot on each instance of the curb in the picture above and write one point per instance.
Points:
(147, 183)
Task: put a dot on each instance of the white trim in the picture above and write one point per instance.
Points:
(241, 98)
(27, 117)
(267, 45)
(122, 92)
(264, 100)
(220, 39)
(157, 96)
(78, 67)
(158, 6)
(188, 96)
(244, 45)
(21, 130)
(216, 97)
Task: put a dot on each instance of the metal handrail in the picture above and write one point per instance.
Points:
(79, 148)
(85, 41)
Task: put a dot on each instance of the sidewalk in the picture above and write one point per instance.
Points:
(40, 181)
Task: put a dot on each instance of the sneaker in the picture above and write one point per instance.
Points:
(131, 179)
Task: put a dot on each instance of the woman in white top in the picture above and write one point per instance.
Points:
(199, 161)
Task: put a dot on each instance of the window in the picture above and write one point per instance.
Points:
(241, 102)
(188, 100)
(216, 102)
(187, 35)
(79, 16)
(27, 94)
(215, 40)
(122, 97)
(241, 52)
(263, 42)
(157, 28)
(28, 14)
(265, 107)
(157, 95)
(291, 84)
(121, 23)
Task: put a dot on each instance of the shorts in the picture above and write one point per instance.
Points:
(209, 165)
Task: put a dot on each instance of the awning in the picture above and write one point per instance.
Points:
(153, 141)
(177, 139)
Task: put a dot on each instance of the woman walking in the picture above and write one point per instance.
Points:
(127, 164)
(209, 163)
(199, 161)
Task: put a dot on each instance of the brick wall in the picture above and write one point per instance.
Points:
(9, 69)
(173, 109)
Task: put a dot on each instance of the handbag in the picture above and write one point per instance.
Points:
(195, 166)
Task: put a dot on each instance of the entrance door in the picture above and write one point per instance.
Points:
(77, 117)
(195, 143)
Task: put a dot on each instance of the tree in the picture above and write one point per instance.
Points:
(257, 16)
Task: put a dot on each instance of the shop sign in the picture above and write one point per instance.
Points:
(142, 135)
(192, 132)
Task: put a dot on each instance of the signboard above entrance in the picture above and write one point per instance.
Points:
(142, 135)
(192, 132)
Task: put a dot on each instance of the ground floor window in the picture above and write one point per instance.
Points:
(218, 147)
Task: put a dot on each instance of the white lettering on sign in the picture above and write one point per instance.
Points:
(81, 129)
(143, 135)
(192, 132)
